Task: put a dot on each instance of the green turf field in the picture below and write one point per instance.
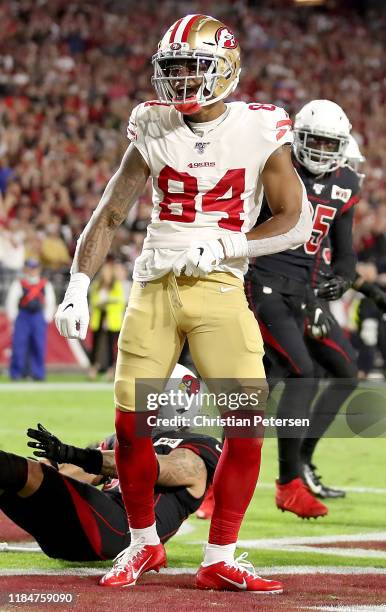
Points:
(81, 414)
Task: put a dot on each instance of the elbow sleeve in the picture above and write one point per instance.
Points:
(295, 237)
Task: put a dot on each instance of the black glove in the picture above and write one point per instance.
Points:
(333, 288)
(50, 447)
(319, 320)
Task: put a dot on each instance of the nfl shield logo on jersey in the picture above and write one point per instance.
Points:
(200, 147)
(318, 188)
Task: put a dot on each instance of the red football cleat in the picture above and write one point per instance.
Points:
(132, 562)
(238, 576)
(296, 497)
(205, 511)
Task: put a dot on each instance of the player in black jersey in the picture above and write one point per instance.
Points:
(280, 290)
(331, 287)
(74, 520)
(335, 362)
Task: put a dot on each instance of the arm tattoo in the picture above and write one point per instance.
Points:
(120, 194)
(109, 467)
(182, 467)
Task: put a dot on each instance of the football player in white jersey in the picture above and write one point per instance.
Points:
(209, 163)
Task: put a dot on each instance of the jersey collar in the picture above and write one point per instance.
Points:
(178, 121)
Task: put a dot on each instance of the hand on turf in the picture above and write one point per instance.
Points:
(201, 259)
(72, 316)
(48, 445)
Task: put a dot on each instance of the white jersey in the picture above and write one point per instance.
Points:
(203, 185)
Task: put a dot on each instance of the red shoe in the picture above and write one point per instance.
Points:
(132, 562)
(296, 497)
(205, 511)
(238, 576)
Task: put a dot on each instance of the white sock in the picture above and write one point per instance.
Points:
(148, 535)
(214, 553)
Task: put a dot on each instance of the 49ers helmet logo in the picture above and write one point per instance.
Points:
(226, 39)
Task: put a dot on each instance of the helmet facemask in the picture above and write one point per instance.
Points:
(188, 79)
(319, 151)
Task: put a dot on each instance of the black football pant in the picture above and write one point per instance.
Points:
(335, 357)
(76, 521)
(292, 357)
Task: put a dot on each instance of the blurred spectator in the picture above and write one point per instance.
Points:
(54, 253)
(5, 172)
(368, 337)
(12, 246)
(30, 305)
(364, 321)
(12, 253)
(70, 73)
(107, 303)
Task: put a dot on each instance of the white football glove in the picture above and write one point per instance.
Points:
(180, 264)
(202, 259)
(72, 316)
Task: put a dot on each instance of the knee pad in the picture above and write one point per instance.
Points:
(124, 393)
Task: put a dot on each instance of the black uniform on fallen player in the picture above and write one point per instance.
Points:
(280, 288)
(78, 522)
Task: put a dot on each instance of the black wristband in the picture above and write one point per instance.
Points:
(94, 461)
(89, 459)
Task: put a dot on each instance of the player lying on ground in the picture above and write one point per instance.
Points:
(70, 518)
(209, 163)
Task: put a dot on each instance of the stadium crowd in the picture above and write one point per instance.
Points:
(70, 73)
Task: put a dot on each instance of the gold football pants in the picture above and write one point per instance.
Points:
(211, 312)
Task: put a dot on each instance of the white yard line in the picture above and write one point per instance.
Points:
(21, 547)
(375, 490)
(361, 553)
(21, 386)
(376, 536)
(305, 544)
(308, 545)
(177, 571)
(185, 529)
(364, 608)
